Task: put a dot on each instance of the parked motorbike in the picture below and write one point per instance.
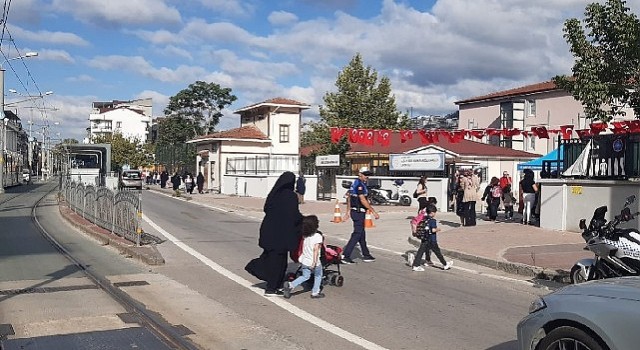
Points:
(377, 196)
(400, 196)
(617, 251)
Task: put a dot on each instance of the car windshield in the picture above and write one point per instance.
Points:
(131, 175)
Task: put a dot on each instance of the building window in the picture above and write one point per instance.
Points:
(532, 144)
(118, 125)
(284, 133)
(531, 108)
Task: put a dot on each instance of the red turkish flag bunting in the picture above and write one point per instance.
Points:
(582, 133)
(476, 133)
(540, 131)
(425, 137)
(456, 136)
(634, 125)
(566, 131)
(597, 128)
(406, 135)
(384, 137)
(621, 127)
(353, 135)
(368, 137)
(336, 134)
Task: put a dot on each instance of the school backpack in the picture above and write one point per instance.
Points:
(416, 220)
(496, 191)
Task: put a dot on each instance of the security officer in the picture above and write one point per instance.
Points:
(357, 206)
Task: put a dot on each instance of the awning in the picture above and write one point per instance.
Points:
(536, 164)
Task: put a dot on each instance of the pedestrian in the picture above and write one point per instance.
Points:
(164, 177)
(421, 193)
(156, 178)
(200, 182)
(470, 184)
(279, 231)
(428, 228)
(528, 188)
(486, 197)
(301, 187)
(357, 207)
(188, 184)
(505, 180)
(175, 181)
(309, 259)
(493, 198)
(508, 200)
(460, 205)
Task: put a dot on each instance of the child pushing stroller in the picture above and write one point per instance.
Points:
(314, 258)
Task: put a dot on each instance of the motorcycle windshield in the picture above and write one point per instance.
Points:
(598, 217)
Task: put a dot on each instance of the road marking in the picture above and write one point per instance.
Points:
(281, 302)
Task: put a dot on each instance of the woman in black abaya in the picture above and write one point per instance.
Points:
(279, 231)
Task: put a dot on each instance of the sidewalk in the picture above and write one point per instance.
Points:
(509, 246)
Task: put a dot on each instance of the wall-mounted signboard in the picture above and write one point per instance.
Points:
(331, 160)
(419, 162)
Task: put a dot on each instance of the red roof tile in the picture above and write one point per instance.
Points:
(523, 90)
(275, 101)
(464, 148)
(248, 132)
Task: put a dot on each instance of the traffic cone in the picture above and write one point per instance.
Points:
(337, 215)
(368, 220)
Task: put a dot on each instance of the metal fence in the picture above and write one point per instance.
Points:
(262, 165)
(119, 212)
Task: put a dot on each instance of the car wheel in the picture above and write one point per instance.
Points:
(569, 338)
(577, 275)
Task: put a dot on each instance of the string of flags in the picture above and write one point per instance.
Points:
(383, 136)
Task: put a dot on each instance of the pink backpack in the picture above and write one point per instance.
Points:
(417, 219)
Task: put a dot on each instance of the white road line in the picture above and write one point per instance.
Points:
(276, 300)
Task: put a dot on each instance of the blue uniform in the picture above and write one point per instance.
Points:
(358, 212)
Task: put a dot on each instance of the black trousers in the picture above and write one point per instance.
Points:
(275, 269)
(470, 213)
(428, 245)
(422, 203)
(493, 208)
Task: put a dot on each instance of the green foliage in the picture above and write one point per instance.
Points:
(362, 100)
(606, 76)
(200, 106)
(175, 130)
(125, 151)
(70, 141)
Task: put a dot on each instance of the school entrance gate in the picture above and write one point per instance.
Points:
(327, 168)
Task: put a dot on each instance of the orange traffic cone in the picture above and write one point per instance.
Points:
(368, 220)
(337, 215)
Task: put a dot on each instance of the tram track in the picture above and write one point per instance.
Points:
(154, 323)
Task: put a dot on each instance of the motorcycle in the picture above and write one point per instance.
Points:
(377, 196)
(617, 251)
(401, 196)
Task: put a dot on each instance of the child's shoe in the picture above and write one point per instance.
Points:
(448, 265)
(418, 268)
(410, 258)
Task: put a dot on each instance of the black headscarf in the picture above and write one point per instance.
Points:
(280, 228)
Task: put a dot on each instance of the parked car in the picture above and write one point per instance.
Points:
(130, 179)
(595, 315)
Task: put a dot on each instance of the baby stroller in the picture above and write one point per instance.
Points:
(330, 255)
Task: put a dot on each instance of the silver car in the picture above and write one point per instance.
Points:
(595, 315)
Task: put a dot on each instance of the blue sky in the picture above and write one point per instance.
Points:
(435, 52)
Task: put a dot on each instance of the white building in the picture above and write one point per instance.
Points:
(132, 119)
(255, 154)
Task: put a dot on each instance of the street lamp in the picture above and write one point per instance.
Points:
(4, 118)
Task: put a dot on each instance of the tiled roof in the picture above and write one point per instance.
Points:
(464, 148)
(248, 132)
(523, 90)
(277, 101)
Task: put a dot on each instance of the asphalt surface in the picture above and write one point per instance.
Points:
(504, 245)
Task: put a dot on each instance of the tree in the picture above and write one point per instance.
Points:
(362, 101)
(125, 151)
(70, 141)
(200, 106)
(606, 72)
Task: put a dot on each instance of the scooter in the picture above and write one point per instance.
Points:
(617, 251)
(376, 195)
(400, 196)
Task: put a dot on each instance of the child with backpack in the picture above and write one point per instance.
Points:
(508, 200)
(426, 230)
(493, 198)
(309, 259)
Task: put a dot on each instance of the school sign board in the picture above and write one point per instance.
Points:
(332, 160)
(419, 162)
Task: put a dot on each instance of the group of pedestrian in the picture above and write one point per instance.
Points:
(466, 196)
(500, 191)
(190, 183)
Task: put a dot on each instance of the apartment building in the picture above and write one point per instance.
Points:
(132, 119)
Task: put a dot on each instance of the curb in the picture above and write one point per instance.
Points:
(147, 254)
(560, 276)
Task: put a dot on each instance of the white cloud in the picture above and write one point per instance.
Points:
(119, 12)
(56, 55)
(159, 37)
(82, 78)
(141, 66)
(230, 7)
(281, 18)
(45, 36)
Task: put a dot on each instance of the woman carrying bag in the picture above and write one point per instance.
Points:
(421, 193)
